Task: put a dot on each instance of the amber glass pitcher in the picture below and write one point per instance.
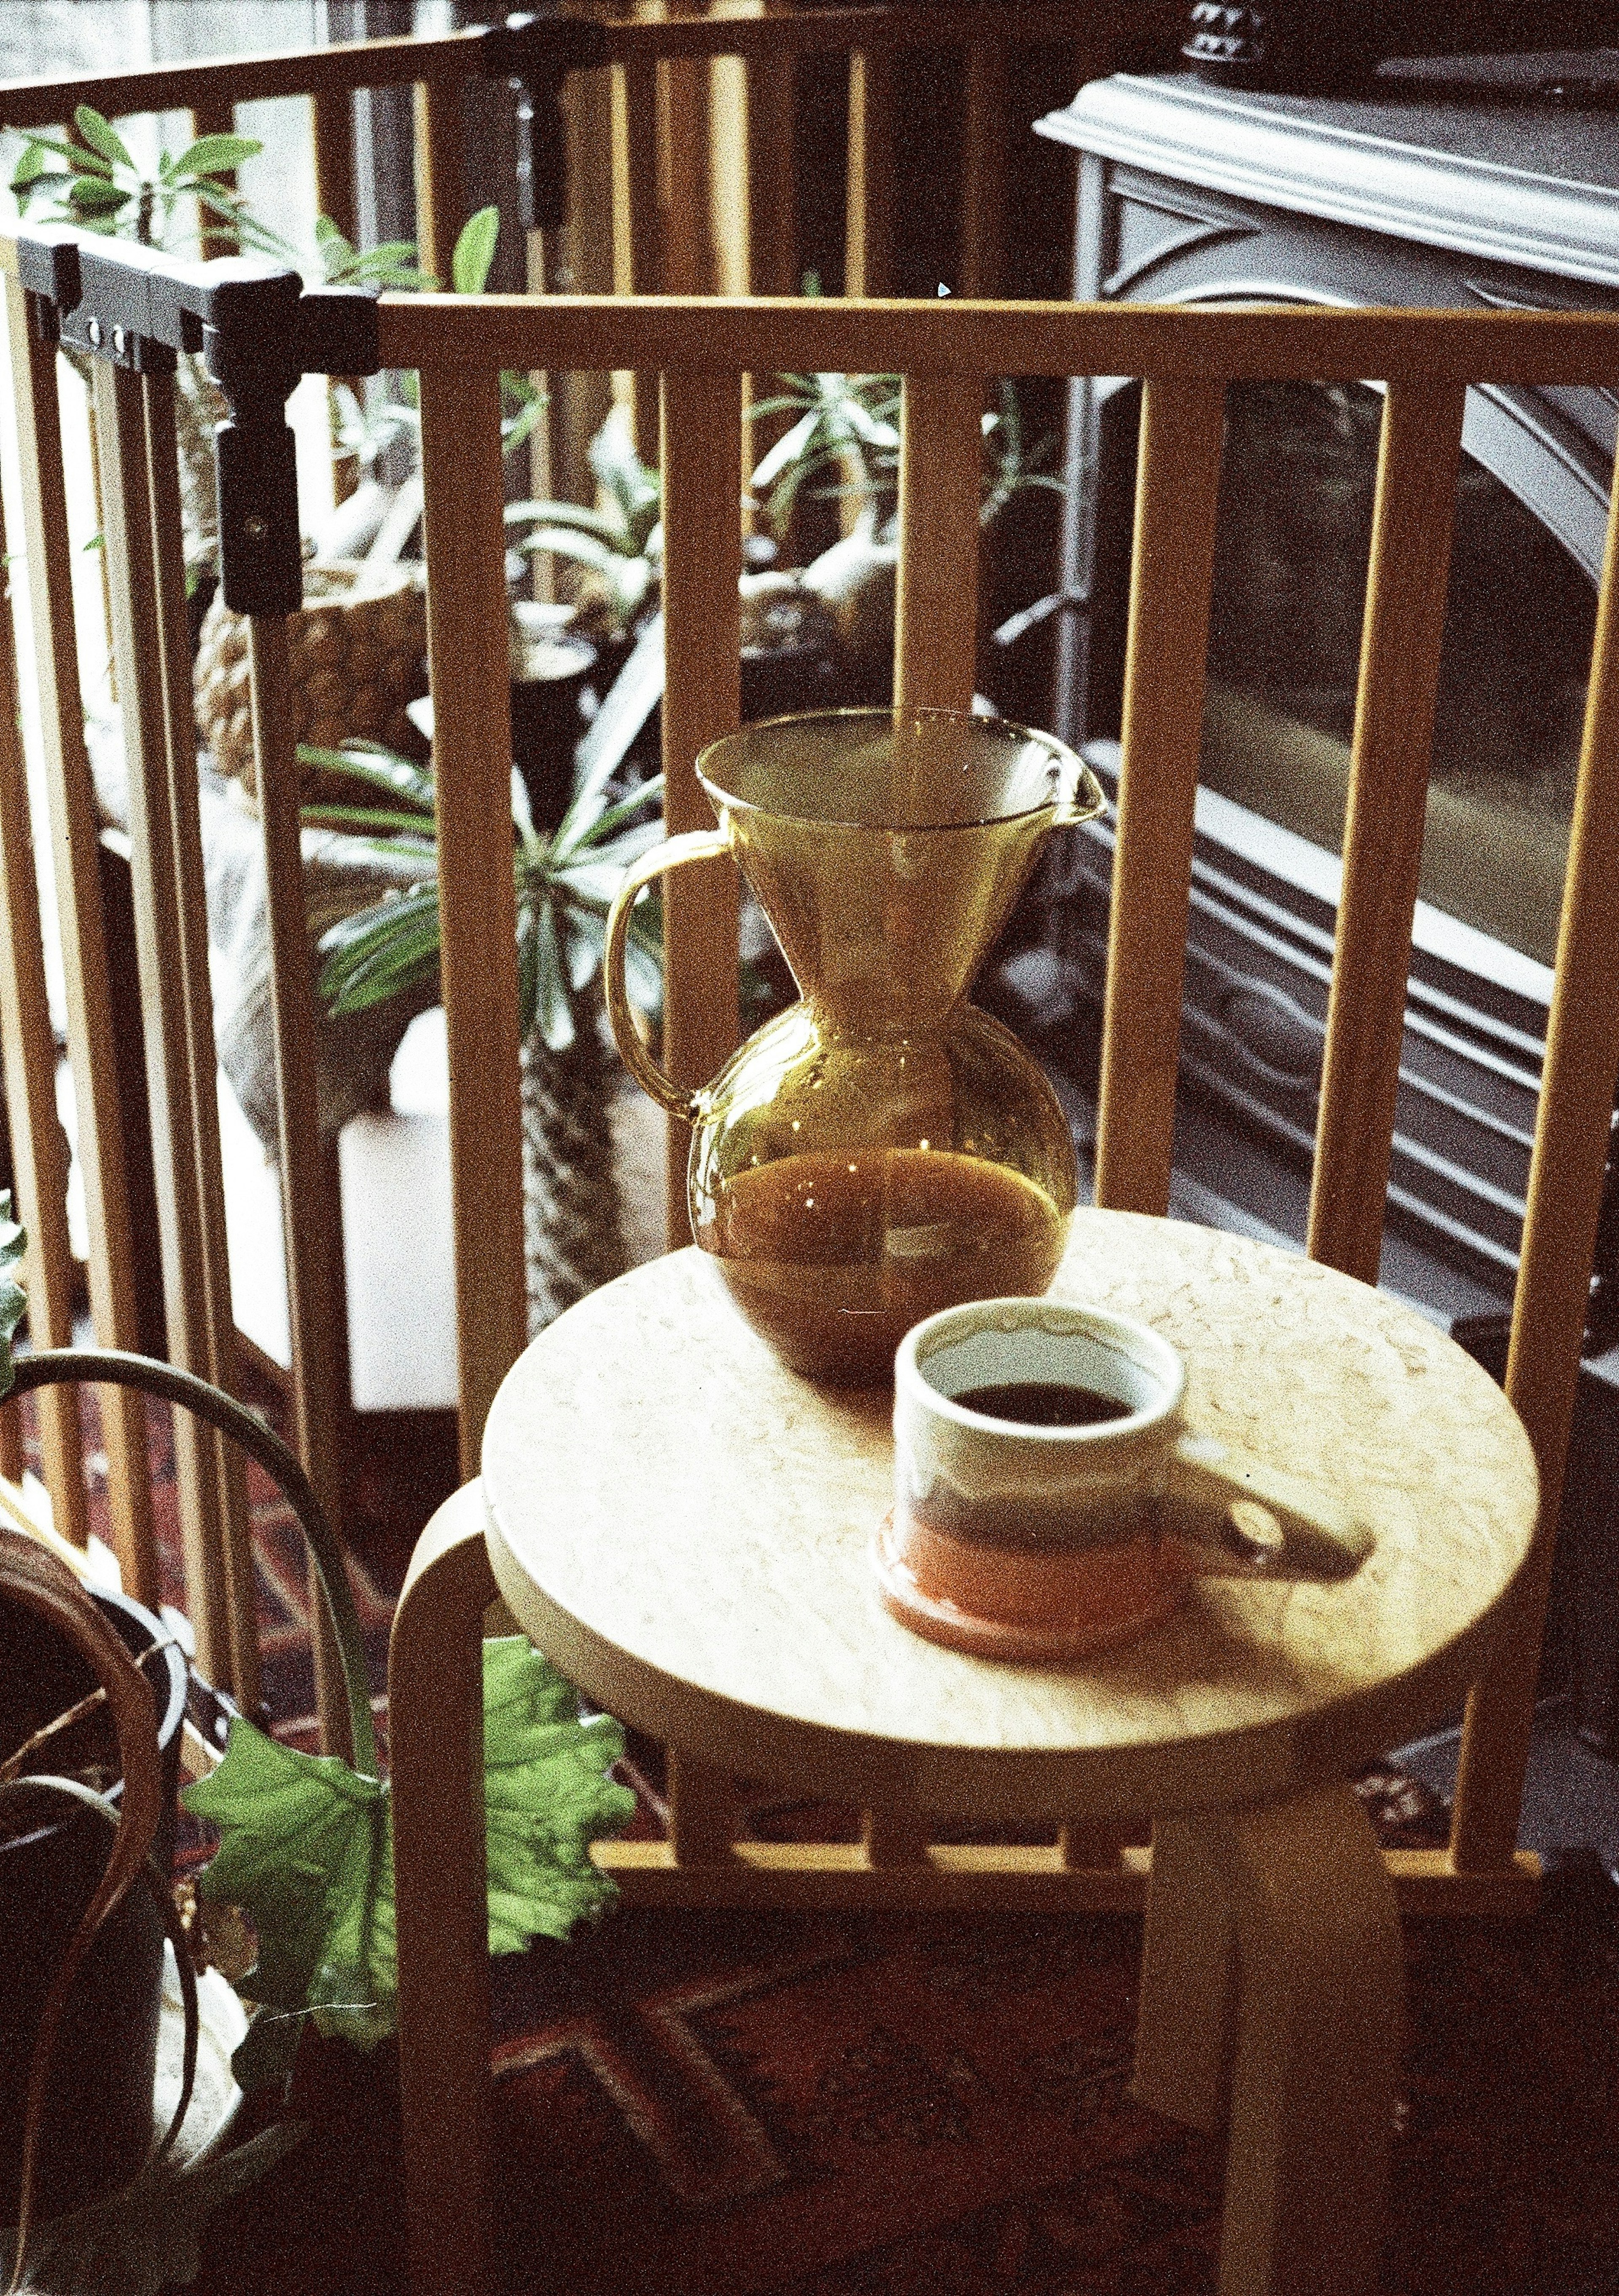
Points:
(882, 1149)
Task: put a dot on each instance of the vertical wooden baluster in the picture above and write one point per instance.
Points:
(701, 700)
(1559, 1235)
(120, 417)
(38, 1152)
(1405, 610)
(936, 610)
(332, 127)
(772, 216)
(1176, 491)
(467, 628)
(11, 1460)
(685, 186)
(704, 1807)
(218, 117)
(441, 174)
(314, 1290)
(75, 858)
(217, 1332)
(637, 220)
(983, 169)
(869, 230)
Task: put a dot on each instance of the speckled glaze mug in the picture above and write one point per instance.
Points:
(1032, 1541)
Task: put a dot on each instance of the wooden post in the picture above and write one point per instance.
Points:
(1405, 610)
(701, 461)
(441, 174)
(312, 1246)
(1176, 492)
(869, 229)
(940, 479)
(637, 222)
(462, 502)
(983, 169)
(1566, 1178)
(75, 852)
(214, 117)
(332, 130)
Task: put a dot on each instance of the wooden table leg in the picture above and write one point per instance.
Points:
(1318, 2017)
(1186, 2027)
(435, 1686)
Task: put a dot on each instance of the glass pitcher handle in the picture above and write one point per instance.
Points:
(674, 853)
(1082, 801)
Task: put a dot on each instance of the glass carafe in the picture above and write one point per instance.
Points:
(882, 1149)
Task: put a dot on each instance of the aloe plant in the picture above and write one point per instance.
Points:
(565, 882)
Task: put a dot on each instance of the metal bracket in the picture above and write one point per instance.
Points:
(258, 328)
(539, 49)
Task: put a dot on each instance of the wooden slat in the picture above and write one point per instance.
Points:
(595, 332)
(1405, 612)
(704, 1805)
(215, 114)
(126, 507)
(936, 610)
(217, 1335)
(683, 186)
(637, 266)
(74, 863)
(467, 645)
(970, 1877)
(1177, 488)
(1566, 1178)
(701, 464)
(332, 133)
(983, 169)
(441, 174)
(773, 265)
(312, 1245)
(38, 1152)
(869, 214)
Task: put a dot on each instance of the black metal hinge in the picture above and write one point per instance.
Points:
(259, 329)
(539, 49)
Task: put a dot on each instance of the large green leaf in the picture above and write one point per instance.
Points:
(14, 1299)
(306, 1847)
(101, 136)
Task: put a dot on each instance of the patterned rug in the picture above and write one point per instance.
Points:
(879, 2106)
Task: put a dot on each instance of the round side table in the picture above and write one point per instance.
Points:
(683, 1526)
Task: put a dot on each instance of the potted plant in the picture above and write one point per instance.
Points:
(565, 881)
(306, 1843)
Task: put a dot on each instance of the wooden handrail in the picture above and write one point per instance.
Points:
(1275, 342)
(43, 101)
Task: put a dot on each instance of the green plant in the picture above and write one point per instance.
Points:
(565, 882)
(306, 1846)
(98, 185)
(618, 545)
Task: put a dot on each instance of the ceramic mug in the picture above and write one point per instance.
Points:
(1020, 1539)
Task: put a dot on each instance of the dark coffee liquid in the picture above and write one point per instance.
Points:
(1043, 1403)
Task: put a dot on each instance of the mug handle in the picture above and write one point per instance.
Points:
(1081, 801)
(1295, 1530)
(674, 853)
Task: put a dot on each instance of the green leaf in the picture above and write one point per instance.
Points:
(98, 133)
(609, 530)
(215, 155)
(147, 2236)
(553, 1008)
(14, 1299)
(90, 195)
(306, 1847)
(469, 266)
(401, 777)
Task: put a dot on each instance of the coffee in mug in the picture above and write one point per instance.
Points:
(1049, 1498)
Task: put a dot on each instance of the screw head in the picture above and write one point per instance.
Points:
(255, 527)
(119, 340)
(93, 331)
